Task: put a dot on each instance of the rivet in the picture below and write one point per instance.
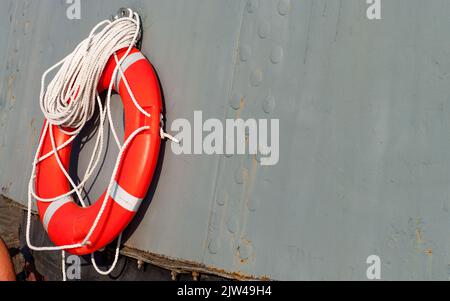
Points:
(264, 29)
(283, 7)
(252, 6)
(256, 78)
(174, 275)
(268, 104)
(140, 265)
(195, 276)
(252, 204)
(235, 101)
(244, 53)
(276, 55)
(232, 224)
(213, 246)
(221, 200)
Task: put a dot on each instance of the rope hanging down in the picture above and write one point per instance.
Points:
(70, 100)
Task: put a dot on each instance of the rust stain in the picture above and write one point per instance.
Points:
(185, 266)
(241, 108)
(238, 255)
(418, 236)
(251, 256)
(429, 251)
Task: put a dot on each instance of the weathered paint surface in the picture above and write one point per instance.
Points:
(363, 108)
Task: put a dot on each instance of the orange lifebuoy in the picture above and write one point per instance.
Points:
(67, 223)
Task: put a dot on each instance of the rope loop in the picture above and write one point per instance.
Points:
(70, 100)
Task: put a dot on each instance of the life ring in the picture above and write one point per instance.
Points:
(67, 223)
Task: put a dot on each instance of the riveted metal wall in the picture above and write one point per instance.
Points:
(363, 108)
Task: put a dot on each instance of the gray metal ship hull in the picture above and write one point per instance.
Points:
(364, 132)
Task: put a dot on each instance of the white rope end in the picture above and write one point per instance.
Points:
(164, 136)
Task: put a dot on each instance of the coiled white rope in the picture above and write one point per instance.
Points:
(70, 101)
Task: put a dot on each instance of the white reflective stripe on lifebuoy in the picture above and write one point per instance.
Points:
(51, 210)
(130, 60)
(124, 199)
